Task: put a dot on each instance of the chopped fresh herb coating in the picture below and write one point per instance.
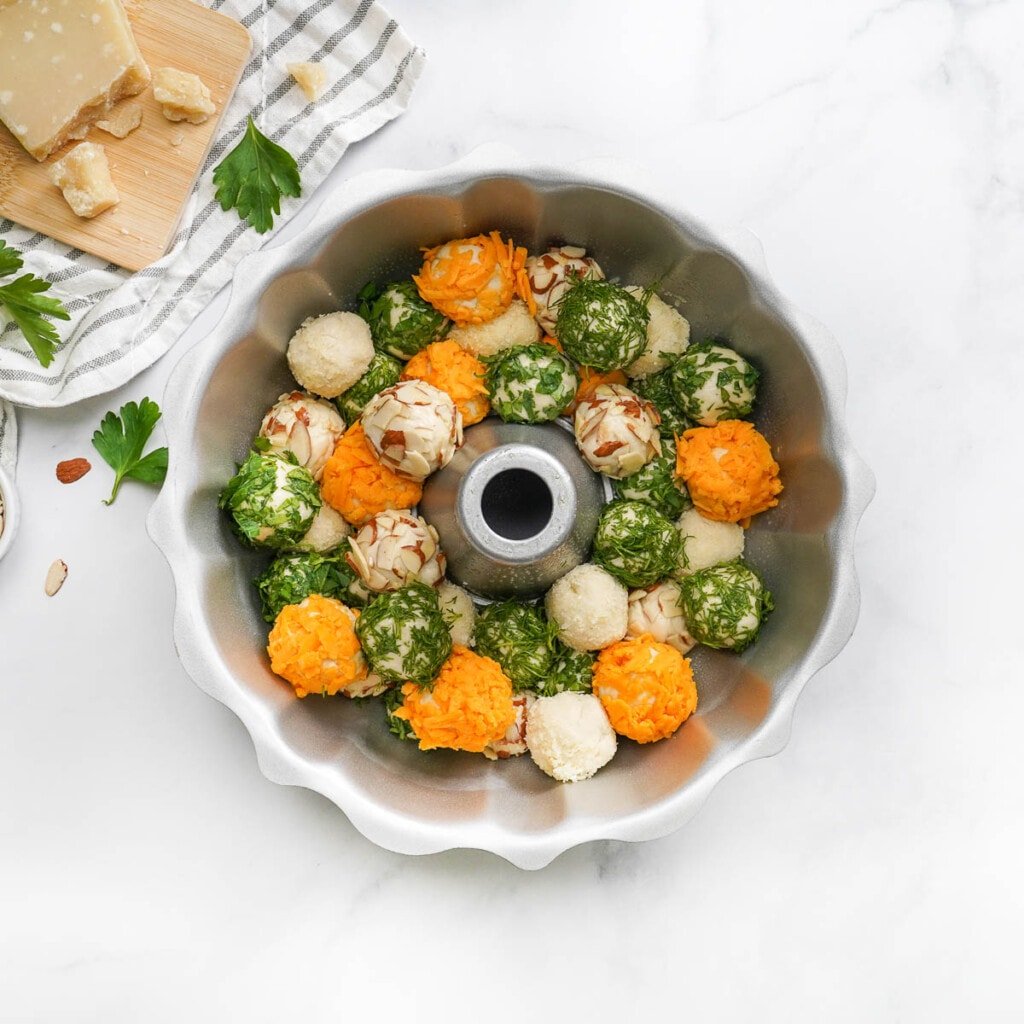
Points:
(657, 389)
(571, 670)
(383, 371)
(656, 484)
(292, 577)
(23, 301)
(711, 382)
(399, 727)
(521, 639)
(401, 322)
(724, 605)
(404, 635)
(635, 543)
(601, 325)
(530, 384)
(272, 499)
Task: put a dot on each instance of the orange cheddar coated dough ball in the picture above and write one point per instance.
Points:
(473, 280)
(646, 687)
(356, 483)
(456, 372)
(468, 707)
(314, 646)
(729, 471)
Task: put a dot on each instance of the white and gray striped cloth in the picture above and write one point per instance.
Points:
(121, 323)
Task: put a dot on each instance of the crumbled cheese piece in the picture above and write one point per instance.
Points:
(59, 77)
(312, 78)
(84, 178)
(183, 95)
(123, 120)
(177, 138)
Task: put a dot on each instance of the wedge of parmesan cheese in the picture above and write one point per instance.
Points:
(83, 175)
(312, 78)
(122, 120)
(182, 95)
(63, 65)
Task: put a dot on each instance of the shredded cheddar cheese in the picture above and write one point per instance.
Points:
(468, 707)
(473, 280)
(314, 646)
(450, 368)
(356, 483)
(590, 380)
(646, 687)
(728, 470)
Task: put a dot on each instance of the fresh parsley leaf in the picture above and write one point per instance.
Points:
(253, 177)
(22, 300)
(120, 441)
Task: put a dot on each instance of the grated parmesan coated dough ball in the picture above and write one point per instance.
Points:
(413, 427)
(617, 431)
(706, 542)
(590, 608)
(657, 611)
(668, 335)
(327, 531)
(305, 426)
(459, 612)
(513, 742)
(395, 547)
(550, 276)
(329, 353)
(513, 327)
(569, 736)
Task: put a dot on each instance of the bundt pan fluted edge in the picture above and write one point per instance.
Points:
(418, 803)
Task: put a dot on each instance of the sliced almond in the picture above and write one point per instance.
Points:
(55, 577)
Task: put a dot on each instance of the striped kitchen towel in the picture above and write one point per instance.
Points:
(121, 323)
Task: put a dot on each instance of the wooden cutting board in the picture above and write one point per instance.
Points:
(155, 167)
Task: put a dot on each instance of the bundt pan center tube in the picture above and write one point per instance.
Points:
(373, 229)
(515, 509)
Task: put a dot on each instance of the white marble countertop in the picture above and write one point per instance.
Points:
(871, 871)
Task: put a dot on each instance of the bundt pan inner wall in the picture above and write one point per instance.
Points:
(416, 802)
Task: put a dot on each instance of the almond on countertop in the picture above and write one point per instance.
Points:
(71, 470)
(55, 577)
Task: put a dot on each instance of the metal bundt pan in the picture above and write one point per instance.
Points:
(418, 803)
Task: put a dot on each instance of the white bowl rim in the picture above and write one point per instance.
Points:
(12, 511)
(278, 763)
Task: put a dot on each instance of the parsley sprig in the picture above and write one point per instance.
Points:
(253, 177)
(121, 439)
(23, 301)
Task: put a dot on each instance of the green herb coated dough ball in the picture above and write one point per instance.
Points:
(520, 639)
(272, 499)
(656, 484)
(635, 543)
(711, 382)
(383, 371)
(404, 635)
(601, 325)
(571, 671)
(399, 727)
(530, 384)
(292, 577)
(657, 389)
(724, 605)
(401, 323)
